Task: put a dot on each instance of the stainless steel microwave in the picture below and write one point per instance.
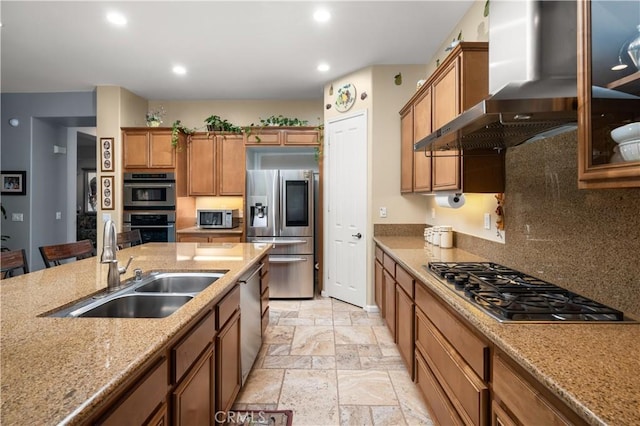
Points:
(215, 218)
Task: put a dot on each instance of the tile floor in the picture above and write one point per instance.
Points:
(332, 364)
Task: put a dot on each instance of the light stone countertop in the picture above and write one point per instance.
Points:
(58, 370)
(594, 368)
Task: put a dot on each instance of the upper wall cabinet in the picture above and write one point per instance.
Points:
(288, 136)
(608, 94)
(145, 148)
(460, 82)
(216, 164)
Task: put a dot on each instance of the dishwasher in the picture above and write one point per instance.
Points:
(250, 319)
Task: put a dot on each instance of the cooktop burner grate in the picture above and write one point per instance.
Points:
(510, 295)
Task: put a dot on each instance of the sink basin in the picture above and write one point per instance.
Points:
(136, 306)
(179, 282)
(155, 295)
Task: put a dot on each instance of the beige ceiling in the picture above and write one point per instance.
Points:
(231, 49)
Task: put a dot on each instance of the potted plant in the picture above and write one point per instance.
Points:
(154, 116)
(275, 121)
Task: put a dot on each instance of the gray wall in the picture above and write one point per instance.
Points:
(44, 118)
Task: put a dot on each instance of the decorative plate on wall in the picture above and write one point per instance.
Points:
(345, 97)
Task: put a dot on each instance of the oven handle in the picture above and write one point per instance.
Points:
(280, 242)
(149, 185)
(128, 225)
(286, 259)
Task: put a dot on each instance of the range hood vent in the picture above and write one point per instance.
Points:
(532, 76)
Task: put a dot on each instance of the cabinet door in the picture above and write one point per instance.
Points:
(300, 137)
(229, 375)
(161, 152)
(446, 101)
(390, 303)
(606, 28)
(135, 149)
(259, 136)
(231, 164)
(421, 128)
(188, 238)
(404, 328)
(193, 398)
(379, 291)
(202, 165)
(406, 151)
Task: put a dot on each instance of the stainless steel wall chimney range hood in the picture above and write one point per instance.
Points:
(532, 79)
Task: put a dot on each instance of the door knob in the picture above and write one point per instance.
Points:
(358, 235)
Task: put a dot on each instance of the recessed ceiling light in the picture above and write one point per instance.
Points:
(179, 69)
(116, 19)
(323, 67)
(321, 15)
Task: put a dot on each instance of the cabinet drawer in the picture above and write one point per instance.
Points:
(439, 404)
(192, 345)
(466, 391)
(292, 137)
(526, 403)
(405, 280)
(389, 264)
(474, 351)
(378, 254)
(143, 400)
(228, 306)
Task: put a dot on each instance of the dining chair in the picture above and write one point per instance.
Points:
(12, 260)
(54, 254)
(129, 238)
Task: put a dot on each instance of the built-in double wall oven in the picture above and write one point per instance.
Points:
(149, 205)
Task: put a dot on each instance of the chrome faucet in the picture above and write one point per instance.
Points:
(109, 248)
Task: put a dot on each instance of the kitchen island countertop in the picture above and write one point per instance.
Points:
(593, 367)
(59, 370)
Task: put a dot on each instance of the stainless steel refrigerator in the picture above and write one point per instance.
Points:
(280, 211)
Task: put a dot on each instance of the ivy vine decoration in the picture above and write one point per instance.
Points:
(216, 124)
(178, 128)
(274, 121)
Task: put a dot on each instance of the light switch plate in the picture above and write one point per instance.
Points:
(383, 212)
(17, 217)
(58, 215)
(433, 213)
(106, 217)
(487, 221)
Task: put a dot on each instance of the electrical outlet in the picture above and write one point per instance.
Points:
(383, 212)
(58, 215)
(106, 217)
(17, 217)
(433, 213)
(487, 221)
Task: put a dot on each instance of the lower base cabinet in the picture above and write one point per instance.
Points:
(193, 399)
(228, 364)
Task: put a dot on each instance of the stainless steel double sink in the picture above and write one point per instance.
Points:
(156, 295)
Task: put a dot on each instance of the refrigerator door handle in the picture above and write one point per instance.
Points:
(286, 259)
(280, 242)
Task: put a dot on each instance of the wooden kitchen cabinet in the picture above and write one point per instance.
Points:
(193, 399)
(216, 164)
(228, 355)
(605, 29)
(264, 293)
(404, 328)
(145, 148)
(389, 286)
(415, 167)
(518, 400)
(460, 82)
(283, 136)
(144, 401)
(212, 237)
(378, 281)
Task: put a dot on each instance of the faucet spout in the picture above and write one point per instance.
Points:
(109, 248)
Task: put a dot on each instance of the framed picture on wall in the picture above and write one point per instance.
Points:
(106, 154)
(14, 182)
(107, 192)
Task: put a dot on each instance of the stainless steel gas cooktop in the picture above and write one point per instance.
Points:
(509, 295)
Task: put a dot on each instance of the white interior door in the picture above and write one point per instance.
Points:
(346, 206)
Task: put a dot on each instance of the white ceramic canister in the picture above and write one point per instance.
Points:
(435, 238)
(446, 236)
